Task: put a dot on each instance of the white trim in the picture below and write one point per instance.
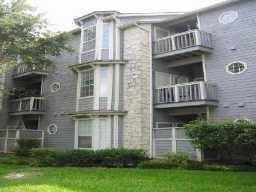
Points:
(232, 16)
(198, 21)
(99, 37)
(117, 39)
(96, 87)
(55, 83)
(204, 67)
(78, 90)
(111, 40)
(49, 131)
(116, 131)
(234, 62)
(117, 86)
(148, 14)
(244, 119)
(76, 135)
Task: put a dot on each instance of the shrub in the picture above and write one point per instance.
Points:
(233, 142)
(176, 159)
(10, 159)
(169, 160)
(25, 146)
(44, 157)
(88, 158)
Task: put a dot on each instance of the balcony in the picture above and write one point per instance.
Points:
(28, 71)
(190, 42)
(186, 95)
(27, 106)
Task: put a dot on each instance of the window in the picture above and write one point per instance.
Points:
(85, 133)
(104, 81)
(87, 83)
(236, 67)
(244, 120)
(52, 129)
(55, 87)
(228, 17)
(105, 41)
(89, 43)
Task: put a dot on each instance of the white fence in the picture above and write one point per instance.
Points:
(9, 137)
(193, 91)
(182, 41)
(173, 139)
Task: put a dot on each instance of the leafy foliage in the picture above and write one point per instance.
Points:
(234, 142)
(25, 146)
(24, 36)
(88, 158)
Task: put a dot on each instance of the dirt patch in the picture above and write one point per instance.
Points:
(21, 175)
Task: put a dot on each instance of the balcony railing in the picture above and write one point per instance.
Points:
(181, 41)
(24, 69)
(28, 105)
(186, 92)
(9, 138)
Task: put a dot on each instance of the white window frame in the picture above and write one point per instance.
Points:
(229, 72)
(83, 42)
(77, 133)
(95, 132)
(56, 129)
(80, 83)
(52, 87)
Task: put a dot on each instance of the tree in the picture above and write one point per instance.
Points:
(233, 142)
(24, 36)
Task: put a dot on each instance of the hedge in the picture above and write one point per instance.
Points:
(25, 146)
(232, 142)
(88, 158)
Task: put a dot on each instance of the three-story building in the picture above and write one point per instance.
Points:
(135, 79)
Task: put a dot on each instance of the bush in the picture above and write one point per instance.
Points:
(10, 159)
(88, 158)
(25, 146)
(233, 142)
(169, 160)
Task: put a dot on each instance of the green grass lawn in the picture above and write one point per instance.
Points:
(124, 180)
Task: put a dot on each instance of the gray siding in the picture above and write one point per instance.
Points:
(60, 103)
(233, 42)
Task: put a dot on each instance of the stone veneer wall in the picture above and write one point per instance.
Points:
(137, 50)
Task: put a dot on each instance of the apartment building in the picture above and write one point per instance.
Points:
(135, 79)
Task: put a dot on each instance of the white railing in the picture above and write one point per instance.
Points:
(9, 138)
(173, 140)
(24, 68)
(28, 104)
(182, 41)
(194, 91)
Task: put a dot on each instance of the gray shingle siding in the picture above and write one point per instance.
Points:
(233, 42)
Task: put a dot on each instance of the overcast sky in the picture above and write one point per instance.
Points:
(60, 13)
